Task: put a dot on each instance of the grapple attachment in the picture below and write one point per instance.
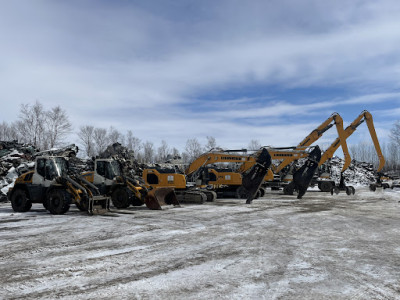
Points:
(159, 197)
(253, 179)
(302, 177)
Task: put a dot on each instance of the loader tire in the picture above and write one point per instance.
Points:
(58, 202)
(120, 198)
(20, 202)
(372, 187)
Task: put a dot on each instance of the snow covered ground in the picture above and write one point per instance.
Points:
(320, 247)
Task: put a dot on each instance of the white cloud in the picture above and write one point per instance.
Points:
(137, 67)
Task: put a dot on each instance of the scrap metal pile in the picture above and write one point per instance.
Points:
(17, 158)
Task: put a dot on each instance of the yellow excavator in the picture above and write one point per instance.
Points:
(230, 183)
(124, 190)
(250, 180)
(52, 184)
(324, 182)
(158, 177)
(277, 178)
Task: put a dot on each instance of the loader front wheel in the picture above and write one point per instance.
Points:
(120, 198)
(20, 202)
(58, 203)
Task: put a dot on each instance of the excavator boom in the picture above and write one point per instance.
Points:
(364, 116)
(334, 119)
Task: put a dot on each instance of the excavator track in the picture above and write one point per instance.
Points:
(211, 195)
(197, 197)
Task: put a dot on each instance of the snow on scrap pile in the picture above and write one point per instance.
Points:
(358, 173)
(15, 159)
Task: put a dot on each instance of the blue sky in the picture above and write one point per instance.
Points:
(174, 70)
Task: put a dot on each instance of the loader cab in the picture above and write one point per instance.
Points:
(106, 170)
(47, 169)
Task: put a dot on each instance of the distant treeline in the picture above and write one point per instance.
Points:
(48, 128)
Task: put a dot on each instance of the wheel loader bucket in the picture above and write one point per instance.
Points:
(159, 197)
(98, 205)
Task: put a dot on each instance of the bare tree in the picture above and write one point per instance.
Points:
(133, 143)
(58, 126)
(193, 148)
(175, 152)
(148, 152)
(100, 139)
(254, 145)
(115, 136)
(395, 133)
(211, 143)
(85, 135)
(162, 151)
(5, 132)
(31, 124)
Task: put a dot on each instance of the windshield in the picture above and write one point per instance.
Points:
(61, 165)
(108, 169)
(114, 169)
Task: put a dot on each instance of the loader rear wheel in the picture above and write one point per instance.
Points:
(120, 198)
(58, 202)
(20, 202)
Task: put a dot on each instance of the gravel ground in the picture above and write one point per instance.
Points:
(320, 247)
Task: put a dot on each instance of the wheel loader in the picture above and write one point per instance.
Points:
(124, 190)
(52, 184)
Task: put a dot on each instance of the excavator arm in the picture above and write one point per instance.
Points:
(334, 119)
(364, 116)
(245, 161)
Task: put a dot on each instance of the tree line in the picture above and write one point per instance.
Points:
(48, 128)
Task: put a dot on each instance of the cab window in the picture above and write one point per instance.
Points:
(50, 168)
(40, 167)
